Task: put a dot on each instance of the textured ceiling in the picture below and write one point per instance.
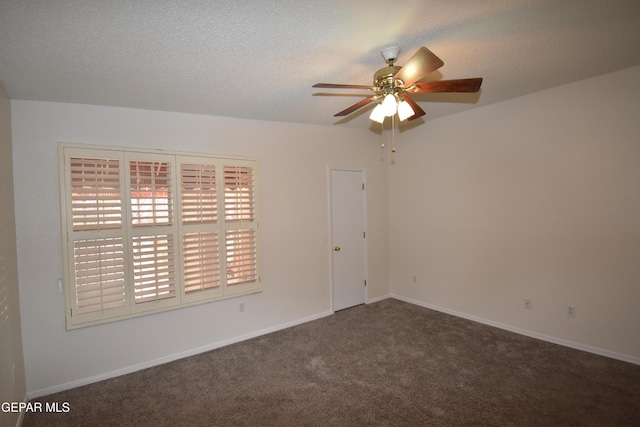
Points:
(258, 59)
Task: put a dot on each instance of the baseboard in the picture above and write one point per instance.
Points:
(532, 334)
(172, 357)
(376, 299)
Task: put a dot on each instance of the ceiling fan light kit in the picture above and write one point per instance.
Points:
(393, 84)
(377, 115)
(389, 105)
(404, 110)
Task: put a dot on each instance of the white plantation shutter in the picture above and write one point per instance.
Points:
(154, 275)
(241, 263)
(198, 194)
(99, 275)
(95, 187)
(239, 200)
(201, 261)
(241, 256)
(199, 228)
(94, 232)
(147, 231)
(151, 192)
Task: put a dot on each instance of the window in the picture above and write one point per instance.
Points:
(146, 231)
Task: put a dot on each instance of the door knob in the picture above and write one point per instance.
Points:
(337, 248)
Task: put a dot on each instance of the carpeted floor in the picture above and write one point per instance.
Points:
(385, 364)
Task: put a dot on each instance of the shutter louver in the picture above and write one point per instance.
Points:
(239, 199)
(241, 256)
(198, 189)
(153, 268)
(99, 274)
(201, 261)
(95, 194)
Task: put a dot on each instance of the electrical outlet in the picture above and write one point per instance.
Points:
(571, 311)
(241, 308)
(415, 279)
(527, 303)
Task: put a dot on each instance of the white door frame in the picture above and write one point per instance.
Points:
(330, 239)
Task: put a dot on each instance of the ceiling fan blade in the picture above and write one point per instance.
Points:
(419, 112)
(460, 85)
(339, 86)
(354, 107)
(423, 62)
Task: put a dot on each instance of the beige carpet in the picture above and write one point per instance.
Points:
(386, 364)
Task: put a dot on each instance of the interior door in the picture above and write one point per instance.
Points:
(348, 238)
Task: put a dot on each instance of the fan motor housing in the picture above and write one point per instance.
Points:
(384, 76)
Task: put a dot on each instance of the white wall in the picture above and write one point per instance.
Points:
(12, 378)
(537, 197)
(293, 162)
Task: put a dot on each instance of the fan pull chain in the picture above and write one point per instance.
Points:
(393, 134)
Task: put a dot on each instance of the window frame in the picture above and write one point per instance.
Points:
(175, 228)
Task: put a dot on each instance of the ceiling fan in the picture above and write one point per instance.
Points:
(393, 85)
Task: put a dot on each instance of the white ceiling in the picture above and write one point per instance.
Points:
(258, 59)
